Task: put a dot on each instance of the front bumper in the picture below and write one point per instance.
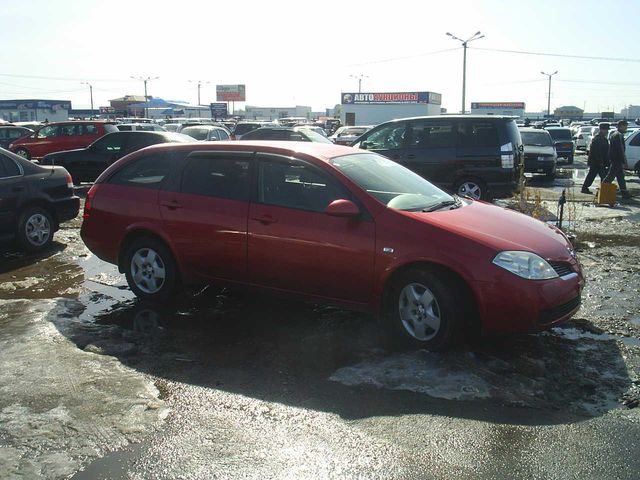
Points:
(511, 304)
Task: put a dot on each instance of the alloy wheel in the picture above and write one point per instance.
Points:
(37, 229)
(148, 270)
(470, 189)
(419, 312)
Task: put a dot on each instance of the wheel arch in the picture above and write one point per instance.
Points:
(472, 320)
(142, 232)
(41, 203)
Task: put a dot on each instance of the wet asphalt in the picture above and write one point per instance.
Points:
(95, 384)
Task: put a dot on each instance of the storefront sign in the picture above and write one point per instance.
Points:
(390, 98)
(492, 105)
(230, 93)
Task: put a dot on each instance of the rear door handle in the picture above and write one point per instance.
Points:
(265, 219)
(172, 205)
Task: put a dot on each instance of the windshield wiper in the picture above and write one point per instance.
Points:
(447, 203)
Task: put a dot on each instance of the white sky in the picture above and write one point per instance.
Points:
(300, 52)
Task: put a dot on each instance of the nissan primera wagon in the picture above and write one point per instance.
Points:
(330, 224)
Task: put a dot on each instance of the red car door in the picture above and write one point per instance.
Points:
(205, 214)
(295, 246)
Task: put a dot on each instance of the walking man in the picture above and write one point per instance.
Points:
(618, 159)
(598, 160)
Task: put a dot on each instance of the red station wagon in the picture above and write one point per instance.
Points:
(59, 136)
(332, 224)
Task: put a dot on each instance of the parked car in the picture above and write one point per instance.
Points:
(243, 128)
(633, 151)
(473, 155)
(145, 127)
(86, 164)
(332, 224)
(171, 127)
(583, 137)
(56, 137)
(539, 153)
(11, 133)
(348, 135)
(207, 133)
(34, 201)
(291, 134)
(563, 142)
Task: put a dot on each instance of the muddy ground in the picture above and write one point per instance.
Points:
(96, 384)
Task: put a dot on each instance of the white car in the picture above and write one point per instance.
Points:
(583, 137)
(633, 151)
(137, 127)
(346, 135)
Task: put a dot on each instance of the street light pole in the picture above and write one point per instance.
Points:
(476, 36)
(359, 77)
(146, 97)
(549, 97)
(90, 95)
(199, 84)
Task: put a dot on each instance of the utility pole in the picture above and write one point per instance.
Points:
(90, 95)
(476, 36)
(146, 97)
(359, 77)
(549, 99)
(199, 84)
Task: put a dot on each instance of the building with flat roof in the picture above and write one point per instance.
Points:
(252, 112)
(34, 110)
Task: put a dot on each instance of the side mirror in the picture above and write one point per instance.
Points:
(364, 145)
(342, 208)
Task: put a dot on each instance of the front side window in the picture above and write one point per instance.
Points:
(217, 177)
(430, 135)
(296, 185)
(223, 135)
(391, 183)
(390, 137)
(48, 132)
(148, 172)
(477, 134)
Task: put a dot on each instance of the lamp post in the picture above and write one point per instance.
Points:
(90, 95)
(359, 77)
(549, 98)
(476, 36)
(146, 97)
(199, 82)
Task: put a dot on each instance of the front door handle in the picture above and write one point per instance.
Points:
(172, 205)
(265, 219)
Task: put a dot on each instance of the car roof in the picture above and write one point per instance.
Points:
(557, 128)
(454, 117)
(76, 122)
(531, 130)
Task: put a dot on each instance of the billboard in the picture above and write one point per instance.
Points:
(218, 109)
(380, 98)
(492, 105)
(54, 105)
(230, 93)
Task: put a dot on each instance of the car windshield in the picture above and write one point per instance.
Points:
(391, 183)
(538, 139)
(196, 132)
(560, 133)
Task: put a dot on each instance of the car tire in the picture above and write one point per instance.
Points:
(426, 309)
(151, 270)
(35, 229)
(23, 152)
(473, 188)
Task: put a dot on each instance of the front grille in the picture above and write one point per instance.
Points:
(562, 268)
(553, 314)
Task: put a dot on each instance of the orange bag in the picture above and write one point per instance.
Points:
(606, 194)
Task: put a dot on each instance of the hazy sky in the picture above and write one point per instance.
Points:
(302, 52)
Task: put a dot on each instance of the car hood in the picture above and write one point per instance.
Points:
(500, 229)
(538, 150)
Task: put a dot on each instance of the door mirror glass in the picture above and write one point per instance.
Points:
(342, 208)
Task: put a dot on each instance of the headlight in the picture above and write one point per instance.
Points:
(526, 265)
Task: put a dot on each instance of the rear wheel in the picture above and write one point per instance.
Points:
(426, 310)
(24, 153)
(35, 229)
(151, 269)
(473, 188)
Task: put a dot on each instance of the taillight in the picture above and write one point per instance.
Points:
(69, 181)
(89, 201)
(507, 155)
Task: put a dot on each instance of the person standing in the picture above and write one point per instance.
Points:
(598, 159)
(618, 159)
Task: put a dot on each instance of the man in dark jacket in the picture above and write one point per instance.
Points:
(598, 160)
(618, 159)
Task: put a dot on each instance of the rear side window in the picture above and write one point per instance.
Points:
(217, 177)
(148, 172)
(430, 135)
(243, 128)
(390, 137)
(223, 135)
(635, 141)
(109, 128)
(124, 128)
(89, 130)
(9, 168)
(476, 134)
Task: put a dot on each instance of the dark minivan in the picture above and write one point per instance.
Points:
(477, 156)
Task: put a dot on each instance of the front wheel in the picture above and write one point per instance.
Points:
(24, 153)
(426, 310)
(151, 270)
(35, 229)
